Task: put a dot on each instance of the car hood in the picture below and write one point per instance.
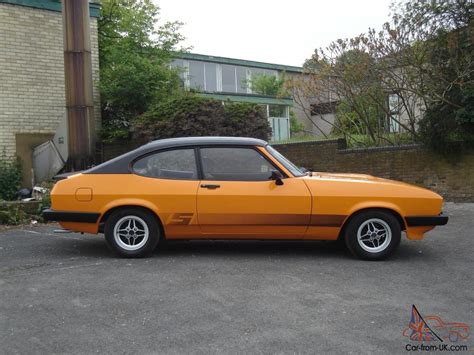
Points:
(365, 184)
(344, 191)
(353, 178)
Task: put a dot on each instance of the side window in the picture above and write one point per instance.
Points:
(235, 164)
(168, 164)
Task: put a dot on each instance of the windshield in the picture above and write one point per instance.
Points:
(285, 162)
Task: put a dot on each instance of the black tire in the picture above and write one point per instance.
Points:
(381, 247)
(123, 244)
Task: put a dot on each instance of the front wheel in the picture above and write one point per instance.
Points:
(373, 235)
(132, 232)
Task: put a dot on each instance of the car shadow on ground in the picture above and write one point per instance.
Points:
(246, 247)
(97, 248)
(281, 249)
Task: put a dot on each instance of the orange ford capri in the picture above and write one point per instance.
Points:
(236, 188)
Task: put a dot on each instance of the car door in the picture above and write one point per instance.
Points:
(169, 180)
(237, 198)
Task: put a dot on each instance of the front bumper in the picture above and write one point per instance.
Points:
(423, 221)
(70, 216)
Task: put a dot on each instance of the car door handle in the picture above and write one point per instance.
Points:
(210, 186)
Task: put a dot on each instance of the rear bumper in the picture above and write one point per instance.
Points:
(422, 221)
(68, 216)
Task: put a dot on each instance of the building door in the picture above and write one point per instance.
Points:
(278, 117)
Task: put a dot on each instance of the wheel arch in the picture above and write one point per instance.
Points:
(392, 211)
(111, 210)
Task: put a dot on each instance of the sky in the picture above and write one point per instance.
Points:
(274, 31)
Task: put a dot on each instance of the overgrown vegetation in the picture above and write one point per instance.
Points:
(448, 122)
(10, 177)
(13, 215)
(191, 115)
(45, 201)
(295, 125)
(271, 85)
(422, 59)
(135, 52)
(19, 212)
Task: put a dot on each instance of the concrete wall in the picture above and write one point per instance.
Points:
(318, 125)
(32, 96)
(452, 177)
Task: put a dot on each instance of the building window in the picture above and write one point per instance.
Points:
(256, 72)
(179, 65)
(324, 108)
(196, 76)
(211, 77)
(228, 78)
(277, 110)
(242, 83)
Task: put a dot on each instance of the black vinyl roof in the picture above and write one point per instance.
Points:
(121, 164)
(173, 142)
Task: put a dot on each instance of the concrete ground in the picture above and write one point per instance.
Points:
(66, 293)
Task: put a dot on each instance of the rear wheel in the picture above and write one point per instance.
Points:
(373, 235)
(132, 232)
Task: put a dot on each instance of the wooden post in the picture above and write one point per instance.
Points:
(78, 78)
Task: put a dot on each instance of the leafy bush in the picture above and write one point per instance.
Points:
(448, 123)
(12, 215)
(446, 128)
(269, 85)
(10, 178)
(45, 201)
(190, 115)
(246, 120)
(357, 115)
(295, 125)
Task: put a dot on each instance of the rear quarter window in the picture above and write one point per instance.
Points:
(177, 164)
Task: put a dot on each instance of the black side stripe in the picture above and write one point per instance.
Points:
(67, 216)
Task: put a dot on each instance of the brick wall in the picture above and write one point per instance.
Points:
(452, 177)
(32, 97)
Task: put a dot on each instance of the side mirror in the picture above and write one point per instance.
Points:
(277, 176)
(306, 171)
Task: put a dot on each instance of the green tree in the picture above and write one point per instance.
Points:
(448, 122)
(269, 85)
(134, 56)
(10, 177)
(424, 56)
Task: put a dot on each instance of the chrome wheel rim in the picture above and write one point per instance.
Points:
(374, 235)
(131, 233)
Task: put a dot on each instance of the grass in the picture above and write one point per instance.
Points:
(305, 138)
